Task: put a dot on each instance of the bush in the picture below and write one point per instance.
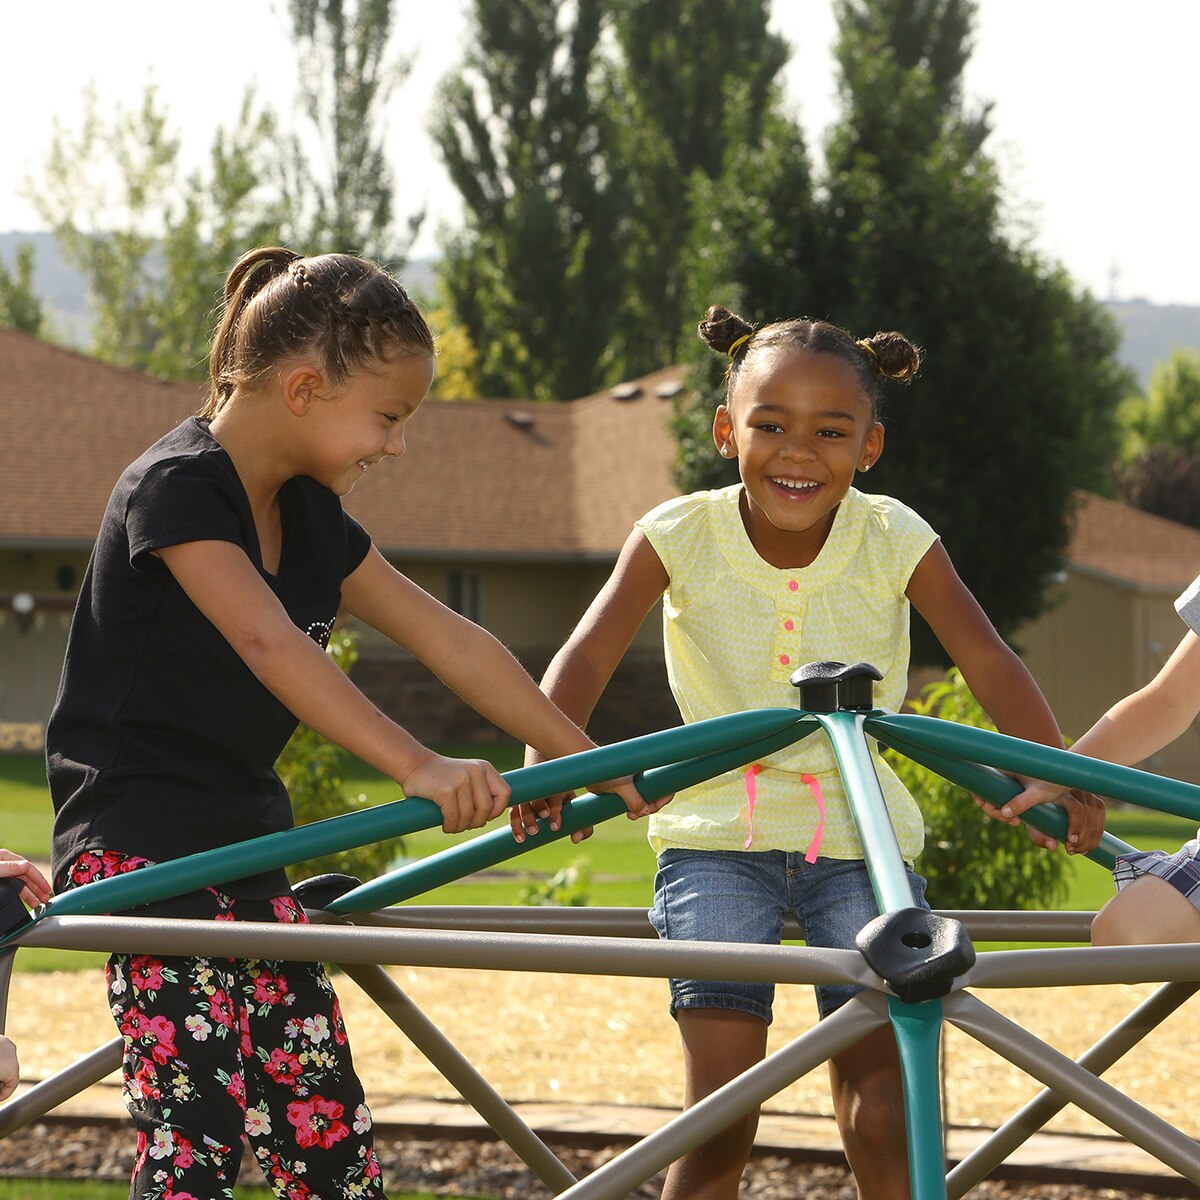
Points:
(970, 860)
(567, 886)
(313, 771)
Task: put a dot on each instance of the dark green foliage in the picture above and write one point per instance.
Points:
(970, 860)
(313, 770)
(535, 273)
(153, 245)
(20, 307)
(1014, 408)
(696, 85)
(1166, 482)
(343, 195)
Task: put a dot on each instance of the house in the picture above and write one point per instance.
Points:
(512, 513)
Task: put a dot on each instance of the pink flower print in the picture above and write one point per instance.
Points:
(85, 869)
(247, 1042)
(132, 1024)
(183, 1153)
(224, 916)
(287, 911)
(163, 1032)
(283, 1067)
(318, 1122)
(116, 863)
(270, 988)
(339, 1027)
(220, 1008)
(146, 973)
(145, 1080)
(236, 1087)
(372, 1171)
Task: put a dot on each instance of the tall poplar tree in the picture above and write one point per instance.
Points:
(341, 182)
(1015, 406)
(697, 82)
(535, 273)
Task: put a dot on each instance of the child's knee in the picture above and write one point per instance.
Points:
(873, 1116)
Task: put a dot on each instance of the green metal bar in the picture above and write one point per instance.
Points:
(997, 788)
(918, 1029)
(402, 817)
(489, 849)
(1042, 762)
(885, 863)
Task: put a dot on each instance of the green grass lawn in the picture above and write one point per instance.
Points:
(617, 858)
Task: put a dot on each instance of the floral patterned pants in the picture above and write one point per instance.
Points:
(221, 1049)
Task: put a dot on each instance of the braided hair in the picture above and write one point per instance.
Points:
(883, 355)
(349, 312)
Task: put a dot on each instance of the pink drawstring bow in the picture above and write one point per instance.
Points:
(751, 778)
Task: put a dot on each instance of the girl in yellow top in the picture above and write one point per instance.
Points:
(789, 566)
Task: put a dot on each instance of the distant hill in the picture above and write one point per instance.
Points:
(1149, 331)
(64, 296)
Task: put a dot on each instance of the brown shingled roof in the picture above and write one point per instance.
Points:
(480, 477)
(487, 477)
(1118, 542)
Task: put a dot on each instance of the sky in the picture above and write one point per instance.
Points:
(1094, 105)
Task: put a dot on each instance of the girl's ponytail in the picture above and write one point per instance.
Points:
(725, 332)
(250, 274)
(345, 312)
(893, 355)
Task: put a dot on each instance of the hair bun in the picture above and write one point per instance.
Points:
(898, 358)
(721, 328)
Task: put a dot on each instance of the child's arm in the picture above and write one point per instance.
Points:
(10, 1071)
(1000, 682)
(224, 585)
(471, 662)
(1138, 725)
(34, 890)
(580, 671)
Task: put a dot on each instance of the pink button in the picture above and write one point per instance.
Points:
(793, 585)
(783, 658)
(789, 625)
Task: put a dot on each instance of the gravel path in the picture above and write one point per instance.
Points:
(470, 1168)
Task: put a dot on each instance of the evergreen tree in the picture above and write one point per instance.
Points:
(1014, 408)
(152, 245)
(534, 275)
(20, 307)
(697, 82)
(342, 184)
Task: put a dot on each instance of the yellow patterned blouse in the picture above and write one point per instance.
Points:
(735, 628)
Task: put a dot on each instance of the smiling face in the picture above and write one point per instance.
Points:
(800, 426)
(351, 427)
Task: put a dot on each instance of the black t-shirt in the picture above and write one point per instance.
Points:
(162, 742)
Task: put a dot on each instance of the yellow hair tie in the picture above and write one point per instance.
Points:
(733, 349)
(870, 350)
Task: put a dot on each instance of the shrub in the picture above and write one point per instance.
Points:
(313, 771)
(970, 860)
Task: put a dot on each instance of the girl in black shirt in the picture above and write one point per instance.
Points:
(197, 643)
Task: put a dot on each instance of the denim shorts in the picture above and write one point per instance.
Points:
(743, 896)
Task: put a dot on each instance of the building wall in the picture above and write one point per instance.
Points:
(32, 644)
(1097, 642)
(531, 608)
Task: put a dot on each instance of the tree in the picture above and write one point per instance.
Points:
(1165, 481)
(154, 246)
(697, 82)
(1014, 408)
(345, 192)
(970, 861)
(1169, 415)
(752, 243)
(20, 307)
(534, 275)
